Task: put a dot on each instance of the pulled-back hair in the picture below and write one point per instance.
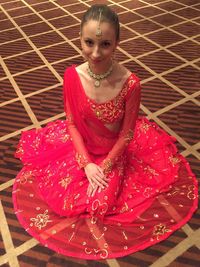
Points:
(107, 15)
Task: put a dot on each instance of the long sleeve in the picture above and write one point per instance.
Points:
(82, 155)
(126, 134)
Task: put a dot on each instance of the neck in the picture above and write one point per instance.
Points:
(100, 69)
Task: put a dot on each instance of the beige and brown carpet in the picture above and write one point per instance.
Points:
(160, 42)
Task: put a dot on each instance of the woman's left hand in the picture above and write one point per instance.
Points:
(93, 189)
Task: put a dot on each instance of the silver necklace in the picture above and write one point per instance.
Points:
(99, 77)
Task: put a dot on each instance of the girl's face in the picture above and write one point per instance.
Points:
(98, 51)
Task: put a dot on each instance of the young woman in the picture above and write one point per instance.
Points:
(104, 183)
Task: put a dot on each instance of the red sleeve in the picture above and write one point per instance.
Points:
(126, 134)
(82, 155)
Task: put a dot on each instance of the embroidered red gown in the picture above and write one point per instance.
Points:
(152, 191)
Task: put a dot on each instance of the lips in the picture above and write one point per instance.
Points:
(96, 61)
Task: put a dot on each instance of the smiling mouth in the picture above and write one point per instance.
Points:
(96, 60)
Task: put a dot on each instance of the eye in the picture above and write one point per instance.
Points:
(105, 44)
(89, 42)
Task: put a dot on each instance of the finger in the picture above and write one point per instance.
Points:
(99, 190)
(100, 184)
(99, 176)
(101, 171)
(101, 181)
(91, 183)
(94, 191)
(88, 189)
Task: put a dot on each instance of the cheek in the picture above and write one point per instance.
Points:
(85, 49)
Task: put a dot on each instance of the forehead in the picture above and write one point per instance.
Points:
(90, 27)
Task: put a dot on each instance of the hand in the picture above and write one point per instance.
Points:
(95, 175)
(92, 190)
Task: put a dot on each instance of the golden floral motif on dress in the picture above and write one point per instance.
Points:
(188, 191)
(124, 208)
(150, 170)
(20, 150)
(100, 207)
(147, 192)
(82, 160)
(65, 138)
(114, 109)
(174, 160)
(95, 234)
(68, 203)
(41, 220)
(109, 112)
(93, 220)
(144, 127)
(103, 252)
(64, 182)
(26, 176)
(191, 195)
(159, 230)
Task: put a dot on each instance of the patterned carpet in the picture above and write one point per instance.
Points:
(38, 40)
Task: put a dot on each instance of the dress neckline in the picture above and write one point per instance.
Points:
(105, 102)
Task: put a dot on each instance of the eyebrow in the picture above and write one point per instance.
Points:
(104, 40)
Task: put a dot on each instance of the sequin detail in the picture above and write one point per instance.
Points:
(112, 110)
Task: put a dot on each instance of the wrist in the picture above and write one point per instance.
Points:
(107, 165)
(82, 160)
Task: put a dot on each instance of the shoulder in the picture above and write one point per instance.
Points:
(82, 69)
(70, 72)
(126, 74)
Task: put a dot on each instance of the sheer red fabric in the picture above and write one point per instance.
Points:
(152, 190)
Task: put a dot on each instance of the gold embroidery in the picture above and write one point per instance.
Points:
(160, 229)
(190, 193)
(174, 160)
(65, 138)
(107, 165)
(41, 220)
(147, 192)
(65, 181)
(103, 252)
(93, 220)
(72, 235)
(68, 203)
(82, 160)
(95, 236)
(150, 170)
(144, 127)
(114, 109)
(26, 177)
(101, 207)
(124, 234)
(20, 150)
(125, 208)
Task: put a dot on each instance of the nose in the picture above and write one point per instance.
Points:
(96, 52)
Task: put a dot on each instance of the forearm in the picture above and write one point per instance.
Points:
(82, 155)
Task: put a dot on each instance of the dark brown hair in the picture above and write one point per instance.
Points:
(107, 15)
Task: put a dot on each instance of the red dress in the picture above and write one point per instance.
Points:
(152, 191)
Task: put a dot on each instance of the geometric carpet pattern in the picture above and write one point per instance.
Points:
(160, 42)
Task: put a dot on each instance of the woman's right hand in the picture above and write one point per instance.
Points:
(95, 175)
